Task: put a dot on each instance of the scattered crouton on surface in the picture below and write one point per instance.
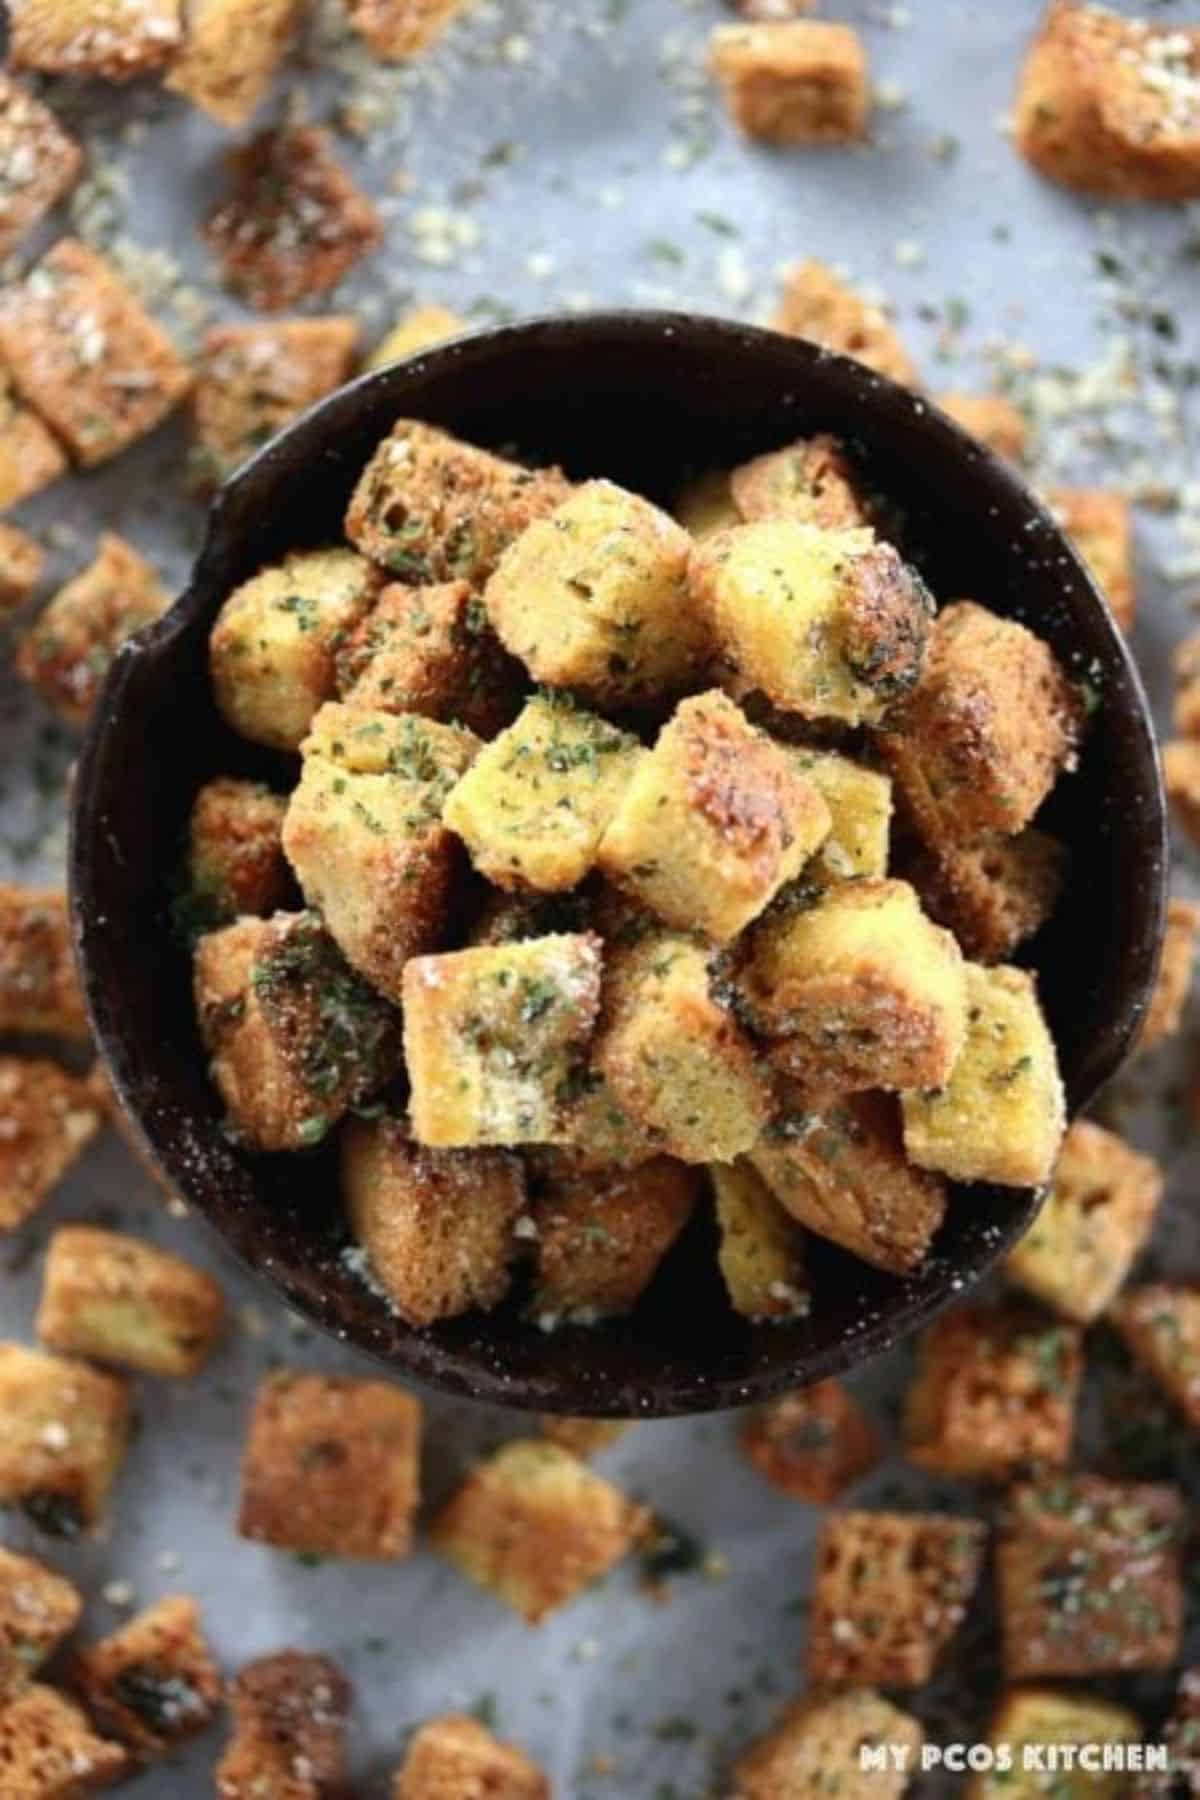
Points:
(1164, 1015)
(290, 1713)
(30, 456)
(816, 304)
(38, 1609)
(812, 482)
(992, 418)
(812, 1444)
(1185, 664)
(601, 1237)
(252, 379)
(1099, 522)
(1041, 1717)
(798, 82)
(116, 1299)
(112, 39)
(21, 560)
(41, 161)
(581, 1436)
(231, 51)
(236, 863)
(456, 1758)
(153, 1684)
(48, 1750)
(761, 1252)
(64, 1428)
(817, 1747)
(47, 1118)
(418, 330)
(1181, 778)
(992, 895)
(1160, 1323)
(394, 32)
(70, 647)
(39, 991)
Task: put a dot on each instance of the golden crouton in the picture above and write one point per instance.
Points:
(535, 1527)
(30, 457)
(112, 39)
(992, 895)
(890, 1591)
(48, 1750)
(41, 162)
(20, 568)
(1164, 1015)
(364, 834)
(535, 803)
(817, 1747)
(457, 1758)
(812, 482)
(600, 1133)
(829, 624)
(761, 1253)
(992, 418)
(154, 1683)
(252, 379)
(274, 644)
(63, 1432)
(289, 1728)
(1033, 1719)
(812, 1444)
(583, 1437)
(798, 82)
(860, 808)
(1160, 1323)
(996, 1389)
(38, 1609)
(436, 1226)
(116, 1299)
(85, 354)
(1100, 525)
(601, 1237)
(230, 54)
(495, 1039)
(816, 305)
(594, 597)
(418, 330)
(295, 1035)
(395, 32)
(39, 991)
(1088, 1577)
(68, 651)
(1181, 778)
(704, 505)
(1094, 1220)
(47, 1118)
(236, 863)
(1001, 1114)
(293, 224)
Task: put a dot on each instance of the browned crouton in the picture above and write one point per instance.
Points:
(994, 894)
(394, 31)
(1181, 778)
(816, 304)
(1181, 1735)
(154, 1683)
(40, 161)
(601, 1237)
(992, 418)
(63, 1432)
(812, 481)
(48, 1751)
(39, 992)
(1099, 523)
(817, 1748)
(761, 1251)
(812, 1444)
(457, 1758)
(1165, 1011)
(37, 1610)
(113, 39)
(47, 1118)
(252, 379)
(231, 51)
(236, 863)
(30, 457)
(289, 1729)
(1160, 1322)
(68, 651)
(583, 1437)
(118, 1300)
(418, 330)
(798, 82)
(1185, 661)
(20, 568)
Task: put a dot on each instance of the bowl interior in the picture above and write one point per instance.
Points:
(643, 399)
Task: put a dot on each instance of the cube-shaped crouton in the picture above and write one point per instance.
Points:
(1094, 1221)
(1164, 1015)
(581, 1436)
(236, 863)
(38, 1609)
(812, 482)
(595, 597)
(274, 645)
(601, 1238)
(364, 834)
(30, 457)
(47, 1118)
(535, 803)
(1181, 1734)
(812, 1444)
(48, 1750)
(705, 505)
(20, 568)
(1001, 1114)
(39, 991)
(1033, 1722)
(860, 808)
(112, 39)
(455, 1756)
(1088, 1577)
(68, 651)
(830, 624)
(252, 379)
(815, 304)
(509, 917)
(673, 1055)
(331, 1466)
(798, 82)
(535, 1527)
(230, 54)
(600, 1132)
(63, 1431)
(85, 354)
(1185, 662)
(839, 1168)
(290, 1713)
(817, 1748)
(996, 1390)
(436, 1226)
(761, 1251)
(1181, 778)
(992, 895)
(1160, 1322)
(1099, 523)
(418, 330)
(154, 1683)
(116, 1299)
(41, 162)
(495, 1039)
(992, 418)
(890, 1590)
(293, 224)
(295, 1035)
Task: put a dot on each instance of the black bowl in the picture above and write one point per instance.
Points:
(643, 398)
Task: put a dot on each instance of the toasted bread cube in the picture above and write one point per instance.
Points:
(274, 644)
(817, 1748)
(47, 1119)
(601, 1238)
(992, 418)
(495, 1039)
(1181, 1735)
(1033, 1719)
(600, 1132)
(583, 1437)
(860, 808)
(153, 1684)
(890, 1591)
(535, 803)
(1164, 1015)
(798, 82)
(1181, 778)
(38, 1609)
(761, 1254)
(30, 457)
(63, 1432)
(454, 1757)
(535, 1527)
(594, 597)
(68, 651)
(48, 1750)
(418, 330)
(705, 505)
(812, 1444)
(816, 305)
(20, 568)
(112, 39)
(1100, 524)
(510, 917)
(252, 379)
(396, 32)
(1094, 1221)
(992, 895)
(116, 1299)
(85, 354)
(295, 1035)
(1001, 1114)
(236, 863)
(1160, 1323)
(1185, 662)
(230, 54)
(41, 162)
(839, 1168)
(436, 1226)
(1088, 1577)
(996, 1389)
(39, 990)
(290, 1713)
(293, 223)
(811, 482)
(830, 624)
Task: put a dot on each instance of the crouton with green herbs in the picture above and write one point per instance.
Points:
(992, 895)
(992, 418)
(1099, 522)
(231, 51)
(1164, 1014)
(64, 1428)
(236, 864)
(154, 1683)
(812, 1444)
(40, 160)
(290, 1713)
(454, 1757)
(70, 647)
(38, 1609)
(40, 994)
(583, 1437)
(601, 1237)
(761, 1248)
(21, 560)
(1160, 1323)
(1033, 1719)
(116, 1299)
(113, 40)
(817, 1747)
(860, 808)
(812, 482)
(48, 1117)
(818, 305)
(30, 456)
(795, 83)
(48, 1750)
(251, 380)
(418, 330)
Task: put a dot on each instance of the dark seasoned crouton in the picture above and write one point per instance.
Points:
(47, 1118)
(39, 992)
(38, 1609)
(601, 1237)
(69, 649)
(252, 379)
(153, 1684)
(289, 1729)
(994, 894)
(812, 1444)
(236, 863)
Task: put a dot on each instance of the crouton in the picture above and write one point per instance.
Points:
(38, 1609)
(1160, 1323)
(510, 917)
(30, 457)
(812, 482)
(992, 895)
(992, 418)
(1181, 778)
(455, 1758)
(1088, 1577)
(69, 649)
(274, 645)
(600, 1133)
(798, 82)
(118, 1300)
(48, 1751)
(890, 1591)
(289, 1729)
(816, 305)
(1030, 1718)
(153, 1684)
(601, 1238)
(418, 330)
(331, 1467)
(583, 1437)
(495, 1038)
(295, 1035)
(251, 380)
(436, 1226)
(293, 223)
(761, 1251)
(817, 1747)
(1164, 1015)
(1100, 524)
(395, 32)
(20, 568)
(534, 1526)
(47, 1119)
(63, 1432)
(236, 864)
(860, 809)
(85, 354)
(1185, 663)
(704, 505)
(39, 991)
(829, 624)
(112, 39)
(812, 1444)
(1093, 1222)
(594, 597)
(1181, 1735)
(41, 161)
(230, 54)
